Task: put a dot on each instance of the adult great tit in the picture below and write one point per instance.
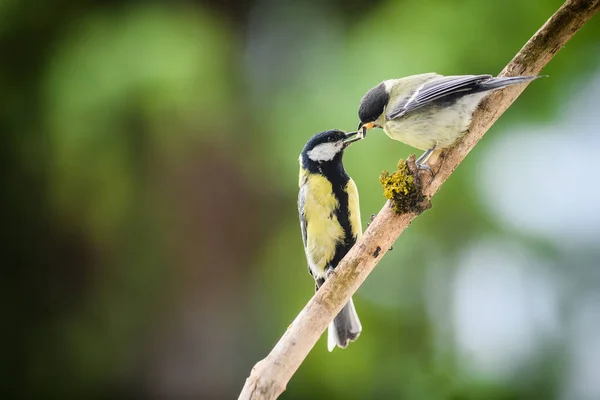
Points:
(329, 219)
(428, 111)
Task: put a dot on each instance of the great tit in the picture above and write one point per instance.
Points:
(428, 111)
(329, 219)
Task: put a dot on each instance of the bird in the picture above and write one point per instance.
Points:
(329, 219)
(428, 111)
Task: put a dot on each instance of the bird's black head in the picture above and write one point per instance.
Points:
(372, 104)
(326, 147)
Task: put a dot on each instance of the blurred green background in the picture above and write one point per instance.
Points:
(150, 236)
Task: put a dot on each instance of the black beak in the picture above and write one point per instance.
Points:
(351, 137)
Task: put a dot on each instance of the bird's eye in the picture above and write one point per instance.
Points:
(331, 139)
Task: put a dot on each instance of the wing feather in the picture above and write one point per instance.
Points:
(436, 90)
(354, 209)
(301, 203)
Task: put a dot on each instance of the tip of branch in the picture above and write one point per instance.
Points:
(404, 188)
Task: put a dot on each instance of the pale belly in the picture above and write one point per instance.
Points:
(322, 228)
(323, 231)
(434, 126)
(322, 236)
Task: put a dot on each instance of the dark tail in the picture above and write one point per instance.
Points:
(345, 328)
(497, 83)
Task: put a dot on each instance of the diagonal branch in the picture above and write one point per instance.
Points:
(269, 377)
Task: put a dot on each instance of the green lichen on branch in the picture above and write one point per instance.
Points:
(404, 190)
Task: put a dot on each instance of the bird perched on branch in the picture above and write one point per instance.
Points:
(329, 219)
(428, 111)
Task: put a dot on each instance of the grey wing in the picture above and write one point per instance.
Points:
(436, 90)
(301, 202)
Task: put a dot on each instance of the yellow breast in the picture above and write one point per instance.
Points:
(323, 231)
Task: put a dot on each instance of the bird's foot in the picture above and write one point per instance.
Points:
(425, 167)
(422, 161)
(329, 271)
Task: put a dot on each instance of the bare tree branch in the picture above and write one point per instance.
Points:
(269, 377)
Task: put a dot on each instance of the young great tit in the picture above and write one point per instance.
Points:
(329, 219)
(428, 111)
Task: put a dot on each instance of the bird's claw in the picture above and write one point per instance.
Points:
(425, 167)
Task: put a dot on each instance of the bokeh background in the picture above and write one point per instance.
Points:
(150, 236)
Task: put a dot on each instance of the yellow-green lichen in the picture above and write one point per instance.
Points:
(403, 190)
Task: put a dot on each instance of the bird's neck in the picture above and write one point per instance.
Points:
(332, 170)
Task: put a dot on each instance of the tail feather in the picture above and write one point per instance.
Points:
(345, 328)
(500, 82)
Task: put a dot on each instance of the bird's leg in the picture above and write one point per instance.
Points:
(422, 161)
(425, 157)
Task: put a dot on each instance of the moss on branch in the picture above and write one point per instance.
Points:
(403, 188)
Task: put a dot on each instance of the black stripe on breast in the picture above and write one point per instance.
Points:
(337, 176)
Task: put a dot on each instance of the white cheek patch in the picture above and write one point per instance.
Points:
(325, 151)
